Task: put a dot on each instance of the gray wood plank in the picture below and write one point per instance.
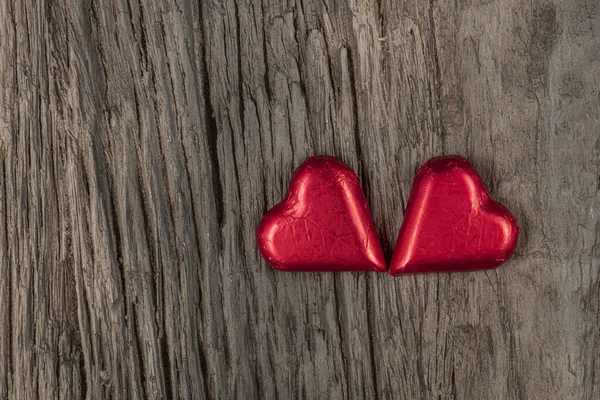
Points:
(141, 142)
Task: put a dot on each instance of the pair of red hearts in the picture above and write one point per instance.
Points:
(324, 224)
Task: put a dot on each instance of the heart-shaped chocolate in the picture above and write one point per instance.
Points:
(324, 223)
(451, 222)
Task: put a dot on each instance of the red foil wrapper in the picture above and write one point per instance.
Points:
(451, 222)
(324, 223)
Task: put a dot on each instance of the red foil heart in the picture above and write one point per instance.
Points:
(451, 222)
(324, 223)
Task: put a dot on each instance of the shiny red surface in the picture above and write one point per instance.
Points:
(324, 223)
(451, 222)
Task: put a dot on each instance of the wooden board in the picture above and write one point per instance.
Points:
(141, 142)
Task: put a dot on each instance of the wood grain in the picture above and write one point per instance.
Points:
(142, 140)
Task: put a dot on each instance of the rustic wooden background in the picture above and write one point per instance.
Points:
(142, 140)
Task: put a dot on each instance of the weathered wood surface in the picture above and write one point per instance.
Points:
(141, 142)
